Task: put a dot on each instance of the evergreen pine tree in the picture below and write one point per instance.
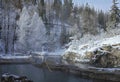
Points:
(102, 20)
(42, 9)
(115, 13)
(89, 20)
(57, 5)
(67, 9)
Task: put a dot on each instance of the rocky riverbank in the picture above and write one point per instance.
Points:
(81, 70)
(102, 53)
(102, 56)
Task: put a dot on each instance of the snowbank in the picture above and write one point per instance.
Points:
(15, 57)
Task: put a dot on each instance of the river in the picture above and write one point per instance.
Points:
(41, 75)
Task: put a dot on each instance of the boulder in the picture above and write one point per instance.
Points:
(106, 48)
(88, 55)
(116, 52)
(106, 56)
(70, 56)
(108, 60)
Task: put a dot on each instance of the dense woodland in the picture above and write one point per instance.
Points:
(73, 20)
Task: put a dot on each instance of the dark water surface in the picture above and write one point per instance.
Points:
(41, 75)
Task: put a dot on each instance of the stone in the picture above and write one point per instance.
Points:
(70, 56)
(106, 48)
(106, 57)
(116, 52)
(88, 55)
(108, 60)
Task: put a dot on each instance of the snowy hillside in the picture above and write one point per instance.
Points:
(93, 45)
(81, 49)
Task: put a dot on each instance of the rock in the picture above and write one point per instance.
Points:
(88, 55)
(14, 78)
(116, 52)
(106, 48)
(116, 44)
(106, 56)
(107, 60)
(70, 56)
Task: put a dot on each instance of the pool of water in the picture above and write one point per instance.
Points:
(41, 75)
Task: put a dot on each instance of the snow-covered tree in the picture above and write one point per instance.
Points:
(31, 31)
(67, 9)
(89, 20)
(57, 6)
(102, 19)
(42, 9)
(114, 14)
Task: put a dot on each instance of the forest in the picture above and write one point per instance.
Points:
(59, 20)
(59, 38)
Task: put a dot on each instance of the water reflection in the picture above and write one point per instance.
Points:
(41, 75)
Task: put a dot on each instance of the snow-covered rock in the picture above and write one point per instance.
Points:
(93, 45)
(104, 58)
(70, 56)
(87, 50)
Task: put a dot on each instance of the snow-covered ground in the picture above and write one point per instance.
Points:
(14, 57)
(106, 69)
